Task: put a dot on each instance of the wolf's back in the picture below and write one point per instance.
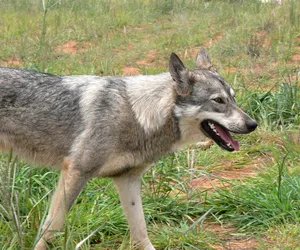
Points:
(37, 111)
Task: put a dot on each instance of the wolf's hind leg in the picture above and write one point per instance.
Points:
(69, 186)
(129, 188)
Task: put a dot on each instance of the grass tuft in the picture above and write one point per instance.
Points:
(276, 109)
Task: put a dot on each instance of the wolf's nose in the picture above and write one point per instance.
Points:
(251, 125)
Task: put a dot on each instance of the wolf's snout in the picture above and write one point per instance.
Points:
(251, 125)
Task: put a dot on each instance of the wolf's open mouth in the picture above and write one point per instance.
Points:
(220, 135)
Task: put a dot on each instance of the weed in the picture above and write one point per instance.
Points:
(253, 46)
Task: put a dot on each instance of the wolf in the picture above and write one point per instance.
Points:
(117, 127)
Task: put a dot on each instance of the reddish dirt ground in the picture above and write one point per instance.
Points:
(217, 228)
(72, 47)
(295, 57)
(12, 62)
(239, 244)
(295, 61)
(149, 59)
(230, 242)
(129, 71)
(230, 70)
(221, 178)
(262, 36)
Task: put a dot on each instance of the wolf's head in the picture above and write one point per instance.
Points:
(203, 95)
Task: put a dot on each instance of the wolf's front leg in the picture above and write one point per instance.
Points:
(69, 186)
(129, 188)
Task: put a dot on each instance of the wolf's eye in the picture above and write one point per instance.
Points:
(219, 100)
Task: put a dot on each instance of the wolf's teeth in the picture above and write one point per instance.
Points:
(228, 145)
(212, 126)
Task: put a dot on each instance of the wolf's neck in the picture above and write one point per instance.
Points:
(152, 98)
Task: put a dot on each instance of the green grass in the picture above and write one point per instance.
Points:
(259, 203)
(279, 109)
(251, 44)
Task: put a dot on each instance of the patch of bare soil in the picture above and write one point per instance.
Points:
(12, 61)
(258, 68)
(218, 228)
(230, 70)
(130, 71)
(208, 182)
(221, 178)
(72, 47)
(149, 59)
(238, 244)
(295, 61)
(231, 242)
(295, 58)
(262, 37)
(143, 63)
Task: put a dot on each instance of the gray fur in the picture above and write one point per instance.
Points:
(91, 126)
(38, 114)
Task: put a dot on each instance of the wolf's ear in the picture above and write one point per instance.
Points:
(180, 75)
(203, 61)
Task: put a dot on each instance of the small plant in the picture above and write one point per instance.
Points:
(253, 46)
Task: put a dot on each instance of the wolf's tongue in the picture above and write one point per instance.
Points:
(226, 136)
